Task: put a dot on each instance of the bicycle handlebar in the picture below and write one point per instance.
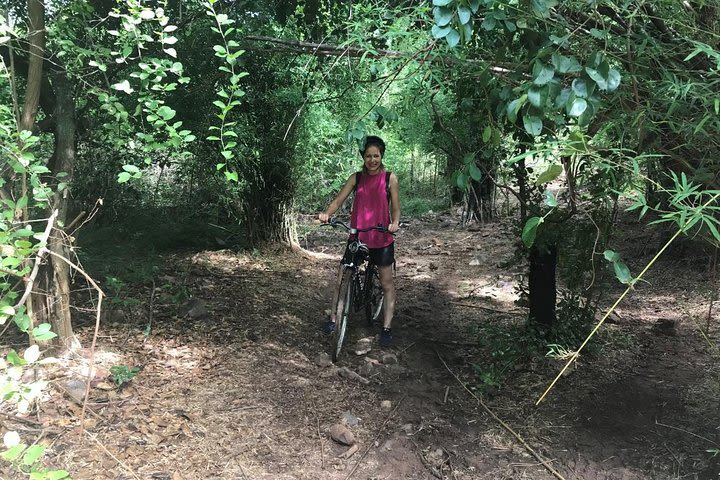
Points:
(334, 223)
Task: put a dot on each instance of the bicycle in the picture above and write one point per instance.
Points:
(359, 286)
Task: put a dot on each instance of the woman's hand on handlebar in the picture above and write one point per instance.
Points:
(324, 217)
(393, 227)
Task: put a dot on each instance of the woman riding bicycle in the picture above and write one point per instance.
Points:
(376, 203)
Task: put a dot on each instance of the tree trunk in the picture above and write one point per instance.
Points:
(36, 37)
(63, 160)
(482, 198)
(543, 293)
(412, 169)
(454, 163)
(268, 211)
(51, 294)
(272, 223)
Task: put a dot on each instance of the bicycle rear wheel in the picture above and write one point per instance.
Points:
(374, 295)
(343, 309)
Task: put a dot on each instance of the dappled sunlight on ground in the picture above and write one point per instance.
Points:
(234, 379)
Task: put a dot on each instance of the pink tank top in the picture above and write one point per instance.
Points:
(371, 208)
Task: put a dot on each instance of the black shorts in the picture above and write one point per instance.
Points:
(382, 257)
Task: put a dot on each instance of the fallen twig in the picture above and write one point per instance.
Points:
(688, 432)
(125, 467)
(407, 348)
(26, 421)
(424, 461)
(387, 419)
(489, 309)
(505, 425)
(322, 447)
(349, 452)
(242, 470)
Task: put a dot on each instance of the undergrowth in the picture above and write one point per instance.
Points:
(505, 348)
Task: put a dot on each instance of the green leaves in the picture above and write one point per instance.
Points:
(565, 64)
(582, 88)
(453, 20)
(577, 107)
(442, 16)
(43, 332)
(474, 172)
(550, 199)
(166, 112)
(550, 174)
(469, 172)
(122, 374)
(14, 359)
(229, 94)
(129, 171)
(542, 73)
(542, 7)
(537, 96)
(123, 86)
(440, 32)
(533, 124)
(690, 207)
(487, 133)
(355, 132)
(33, 454)
(606, 78)
(514, 107)
(464, 15)
(6, 311)
(529, 232)
(622, 272)
(453, 38)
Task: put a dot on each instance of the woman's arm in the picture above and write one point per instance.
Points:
(394, 204)
(338, 200)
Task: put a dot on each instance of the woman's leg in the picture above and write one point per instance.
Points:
(386, 279)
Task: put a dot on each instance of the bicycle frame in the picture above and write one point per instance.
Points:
(358, 267)
(355, 289)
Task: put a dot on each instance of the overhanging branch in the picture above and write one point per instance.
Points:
(324, 49)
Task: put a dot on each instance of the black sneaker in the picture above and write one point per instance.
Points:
(329, 327)
(386, 338)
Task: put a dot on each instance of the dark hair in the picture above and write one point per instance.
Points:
(373, 141)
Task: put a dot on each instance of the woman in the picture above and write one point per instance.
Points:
(376, 202)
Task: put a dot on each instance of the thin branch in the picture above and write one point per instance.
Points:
(688, 432)
(427, 50)
(505, 425)
(119, 462)
(617, 302)
(36, 267)
(370, 444)
(326, 49)
(91, 360)
(299, 110)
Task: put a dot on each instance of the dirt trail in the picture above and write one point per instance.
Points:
(236, 385)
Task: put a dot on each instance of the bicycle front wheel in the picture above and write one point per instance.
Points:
(374, 295)
(343, 309)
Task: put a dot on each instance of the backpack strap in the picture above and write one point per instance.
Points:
(357, 180)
